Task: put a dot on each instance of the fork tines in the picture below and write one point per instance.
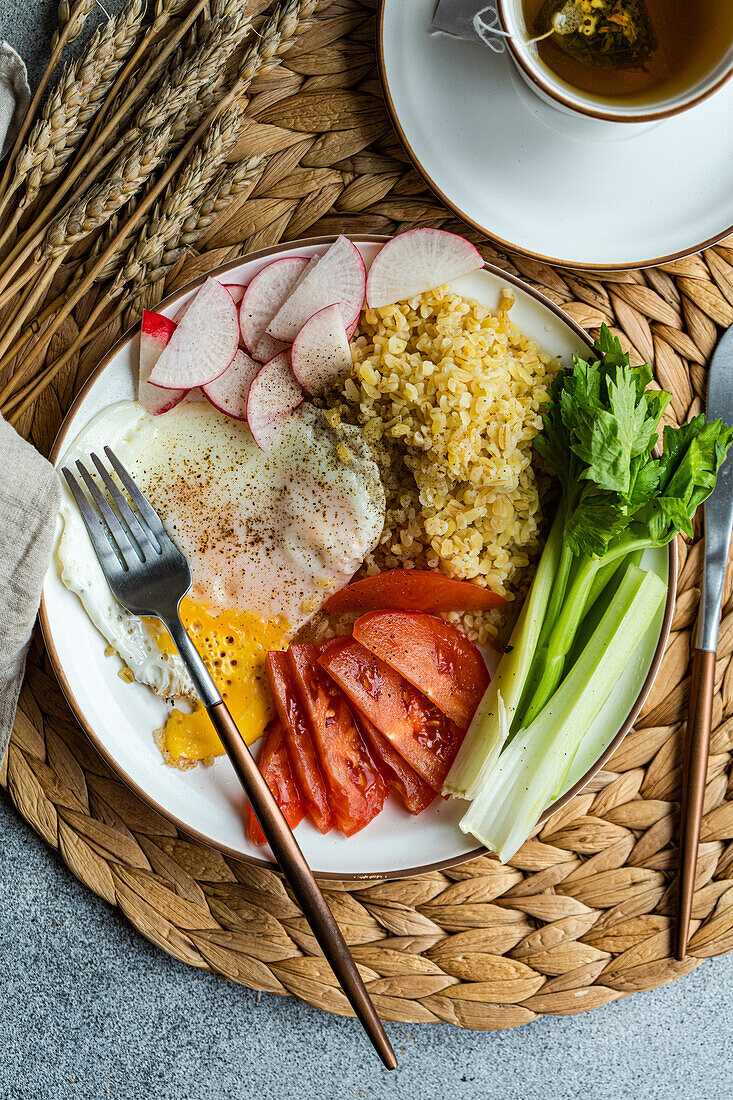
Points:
(131, 530)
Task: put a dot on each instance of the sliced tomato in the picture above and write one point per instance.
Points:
(424, 737)
(274, 764)
(299, 743)
(356, 787)
(433, 655)
(406, 783)
(413, 590)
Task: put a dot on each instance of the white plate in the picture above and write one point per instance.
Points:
(574, 192)
(208, 802)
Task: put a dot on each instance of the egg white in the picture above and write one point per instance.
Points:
(273, 533)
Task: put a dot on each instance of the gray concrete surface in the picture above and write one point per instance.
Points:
(89, 1009)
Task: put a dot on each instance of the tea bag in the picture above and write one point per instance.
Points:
(615, 33)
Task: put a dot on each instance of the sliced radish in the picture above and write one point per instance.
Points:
(229, 391)
(236, 290)
(196, 394)
(204, 343)
(155, 333)
(339, 276)
(308, 268)
(273, 396)
(320, 353)
(416, 261)
(262, 299)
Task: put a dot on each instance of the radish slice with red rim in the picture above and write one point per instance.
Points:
(273, 396)
(204, 343)
(417, 261)
(229, 391)
(338, 276)
(262, 299)
(320, 354)
(155, 333)
(235, 289)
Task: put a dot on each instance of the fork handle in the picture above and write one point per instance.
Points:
(284, 846)
(694, 778)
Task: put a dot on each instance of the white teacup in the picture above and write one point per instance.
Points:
(554, 91)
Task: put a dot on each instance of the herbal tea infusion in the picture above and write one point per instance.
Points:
(631, 49)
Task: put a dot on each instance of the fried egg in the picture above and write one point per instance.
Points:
(269, 535)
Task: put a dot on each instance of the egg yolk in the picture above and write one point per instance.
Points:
(233, 645)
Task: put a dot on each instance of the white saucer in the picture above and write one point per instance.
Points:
(573, 192)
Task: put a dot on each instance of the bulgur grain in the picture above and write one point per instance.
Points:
(450, 396)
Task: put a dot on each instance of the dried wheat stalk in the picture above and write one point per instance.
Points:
(71, 22)
(165, 10)
(122, 100)
(165, 245)
(166, 223)
(191, 88)
(228, 185)
(163, 229)
(85, 85)
(288, 20)
(82, 88)
(95, 208)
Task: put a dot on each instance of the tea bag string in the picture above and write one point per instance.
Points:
(486, 26)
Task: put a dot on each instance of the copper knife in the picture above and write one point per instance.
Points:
(718, 526)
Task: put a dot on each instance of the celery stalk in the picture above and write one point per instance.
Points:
(490, 726)
(522, 781)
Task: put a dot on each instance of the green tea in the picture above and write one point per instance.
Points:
(636, 50)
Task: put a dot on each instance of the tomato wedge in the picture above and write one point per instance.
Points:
(275, 767)
(356, 787)
(434, 656)
(406, 783)
(298, 741)
(413, 590)
(424, 737)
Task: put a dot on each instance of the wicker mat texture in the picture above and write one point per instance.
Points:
(582, 915)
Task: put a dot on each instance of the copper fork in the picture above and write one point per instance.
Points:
(149, 575)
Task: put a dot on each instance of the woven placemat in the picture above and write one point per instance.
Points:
(582, 915)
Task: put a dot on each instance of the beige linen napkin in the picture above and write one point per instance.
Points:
(29, 490)
(14, 95)
(29, 501)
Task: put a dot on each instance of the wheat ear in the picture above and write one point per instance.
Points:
(97, 207)
(192, 84)
(165, 224)
(122, 101)
(71, 22)
(62, 125)
(228, 185)
(91, 213)
(289, 19)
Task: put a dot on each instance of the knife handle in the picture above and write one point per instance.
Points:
(694, 778)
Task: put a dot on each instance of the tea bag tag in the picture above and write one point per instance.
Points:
(466, 19)
(486, 26)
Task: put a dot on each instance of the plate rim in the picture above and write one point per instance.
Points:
(196, 834)
(540, 257)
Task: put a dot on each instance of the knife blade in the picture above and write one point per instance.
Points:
(719, 505)
(718, 526)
